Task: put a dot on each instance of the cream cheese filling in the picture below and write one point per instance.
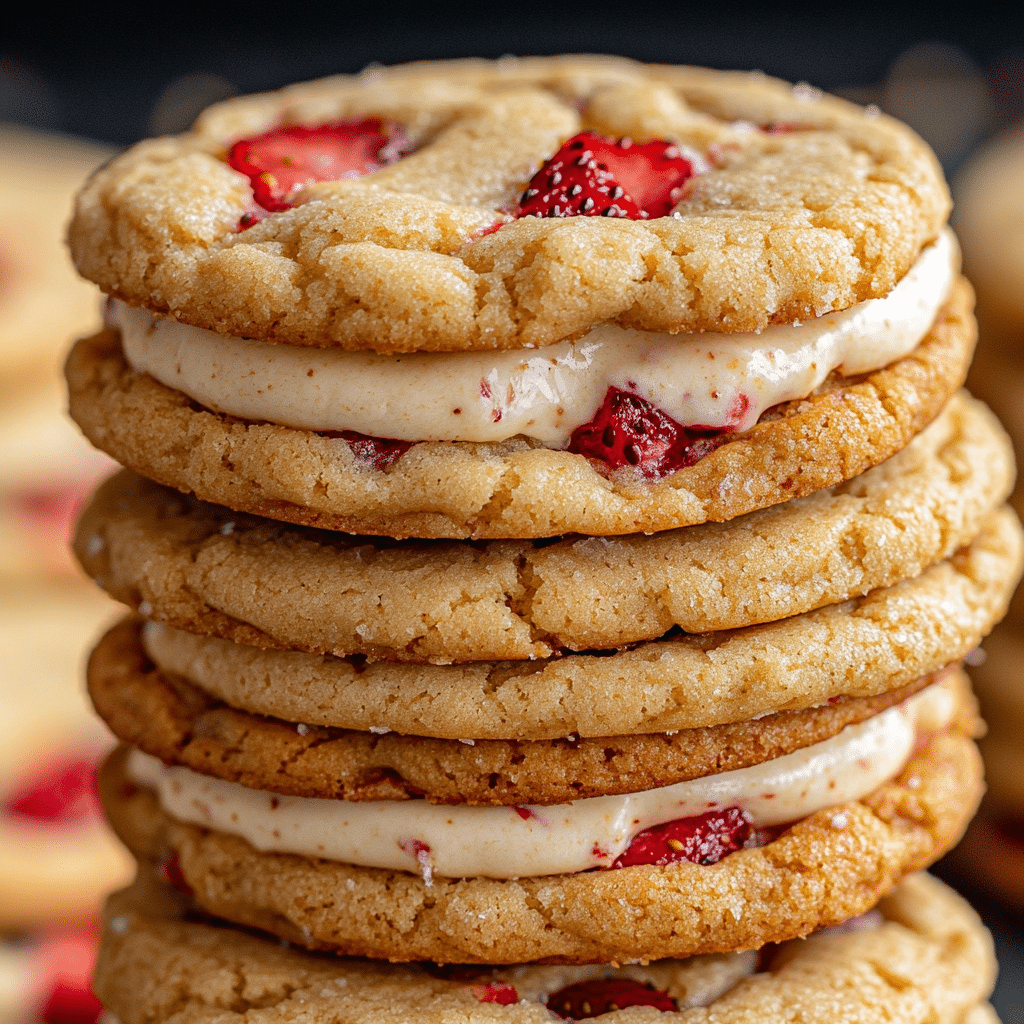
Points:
(710, 380)
(511, 842)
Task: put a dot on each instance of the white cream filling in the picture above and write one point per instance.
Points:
(711, 380)
(509, 842)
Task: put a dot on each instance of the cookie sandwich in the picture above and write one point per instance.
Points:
(552, 524)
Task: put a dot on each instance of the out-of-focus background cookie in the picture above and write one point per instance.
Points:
(57, 857)
(116, 73)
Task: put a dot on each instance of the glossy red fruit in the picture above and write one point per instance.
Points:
(703, 839)
(379, 452)
(500, 992)
(64, 793)
(628, 431)
(602, 995)
(281, 161)
(593, 176)
(66, 958)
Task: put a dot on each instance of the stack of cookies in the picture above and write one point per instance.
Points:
(553, 529)
(990, 219)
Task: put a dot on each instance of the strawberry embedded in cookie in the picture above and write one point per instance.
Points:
(499, 992)
(280, 162)
(602, 995)
(592, 176)
(379, 452)
(702, 839)
(628, 431)
(64, 793)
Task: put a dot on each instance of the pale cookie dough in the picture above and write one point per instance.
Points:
(859, 648)
(174, 721)
(928, 960)
(783, 225)
(826, 868)
(516, 599)
(458, 489)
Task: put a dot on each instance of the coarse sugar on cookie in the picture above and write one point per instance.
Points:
(516, 599)
(157, 959)
(822, 870)
(880, 642)
(173, 720)
(793, 204)
(513, 488)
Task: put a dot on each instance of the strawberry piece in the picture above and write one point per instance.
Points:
(379, 452)
(170, 871)
(628, 431)
(602, 995)
(65, 793)
(66, 960)
(281, 161)
(702, 839)
(593, 176)
(500, 992)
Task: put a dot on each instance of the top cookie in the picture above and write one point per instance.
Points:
(768, 204)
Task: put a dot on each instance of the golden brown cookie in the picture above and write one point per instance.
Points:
(861, 648)
(924, 956)
(176, 722)
(511, 600)
(512, 489)
(827, 207)
(824, 869)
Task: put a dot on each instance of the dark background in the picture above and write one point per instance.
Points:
(116, 73)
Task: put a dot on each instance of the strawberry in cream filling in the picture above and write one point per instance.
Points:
(699, 386)
(713, 816)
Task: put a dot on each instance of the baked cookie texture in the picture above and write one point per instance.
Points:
(824, 869)
(514, 489)
(515, 599)
(783, 225)
(929, 958)
(167, 717)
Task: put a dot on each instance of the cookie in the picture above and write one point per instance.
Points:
(57, 857)
(514, 488)
(198, 567)
(864, 648)
(824, 869)
(989, 217)
(174, 721)
(43, 304)
(422, 255)
(156, 960)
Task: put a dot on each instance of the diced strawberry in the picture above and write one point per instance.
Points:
(170, 871)
(628, 431)
(65, 792)
(602, 995)
(281, 161)
(379, 452)
(597, 177)
(702, 839)
(500, 992)
(66, 959)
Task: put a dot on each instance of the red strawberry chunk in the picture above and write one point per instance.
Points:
(64, 793)
(66, 960)
(593, 176)
(281, 161)
(379, 452)
(170, 871)
(602, 995)
(628, 431)
(702, 839)
(500, 992)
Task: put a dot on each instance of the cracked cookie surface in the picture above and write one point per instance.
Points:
(512, 489)
(156, 962)
(824, 869)
(208, 570)
(175, 721)
(829, 207)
